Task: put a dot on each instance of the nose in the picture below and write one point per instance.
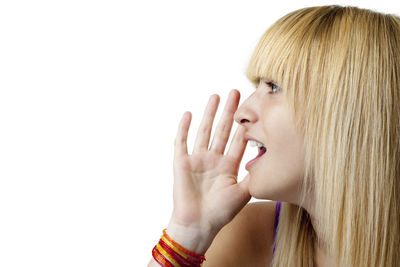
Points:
(245, 114)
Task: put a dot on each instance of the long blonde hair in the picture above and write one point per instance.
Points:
(340, 70)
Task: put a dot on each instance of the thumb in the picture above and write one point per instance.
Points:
(244, 187)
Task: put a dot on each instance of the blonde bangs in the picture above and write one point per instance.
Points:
(290, 54)
(276, 53)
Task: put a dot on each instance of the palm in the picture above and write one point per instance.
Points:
(205, 186)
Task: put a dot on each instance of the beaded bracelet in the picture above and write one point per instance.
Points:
(169, 253)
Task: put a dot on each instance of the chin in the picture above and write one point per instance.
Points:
(268, 190)
(258, 191)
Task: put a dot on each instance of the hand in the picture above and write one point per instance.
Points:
(206, 192)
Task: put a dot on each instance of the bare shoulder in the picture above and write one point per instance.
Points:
(247, 240)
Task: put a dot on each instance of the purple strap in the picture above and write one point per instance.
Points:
(277, 212)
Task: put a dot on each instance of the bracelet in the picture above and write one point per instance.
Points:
(169, 253)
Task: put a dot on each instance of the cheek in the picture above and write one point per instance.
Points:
(273, 178)
(280, 172)
(280, 129)
(282, 140)
(285, 162)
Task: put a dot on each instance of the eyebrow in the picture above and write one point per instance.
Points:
(268, 80)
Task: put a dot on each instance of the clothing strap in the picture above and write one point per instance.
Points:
(277, 212)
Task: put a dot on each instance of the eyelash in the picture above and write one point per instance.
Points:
(272, 86)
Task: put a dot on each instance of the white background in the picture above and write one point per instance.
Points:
(91, 94)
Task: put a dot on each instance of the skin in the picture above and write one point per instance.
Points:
(278, 174)
(205, 181)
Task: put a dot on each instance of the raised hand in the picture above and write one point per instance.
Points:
(206, 192)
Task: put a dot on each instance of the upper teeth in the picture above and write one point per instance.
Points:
(255, 143)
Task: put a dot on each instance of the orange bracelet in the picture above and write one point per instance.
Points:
(184, 250)
(188, 258)
(169, 253)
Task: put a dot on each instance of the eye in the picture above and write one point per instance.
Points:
(273, 87)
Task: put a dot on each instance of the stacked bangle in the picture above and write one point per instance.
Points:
(169, 253)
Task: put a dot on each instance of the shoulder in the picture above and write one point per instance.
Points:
(247, 239)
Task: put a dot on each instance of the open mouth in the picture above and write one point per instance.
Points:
(261, 151)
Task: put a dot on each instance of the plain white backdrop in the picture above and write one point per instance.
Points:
(91, 94)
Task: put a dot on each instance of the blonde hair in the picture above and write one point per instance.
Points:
(340, 70)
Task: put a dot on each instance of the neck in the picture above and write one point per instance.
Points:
(321, 256)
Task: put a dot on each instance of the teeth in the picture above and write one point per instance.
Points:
(255, 143)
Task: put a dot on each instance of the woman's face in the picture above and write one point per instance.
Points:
(278, 173)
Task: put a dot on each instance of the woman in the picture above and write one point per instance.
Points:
(326, 118)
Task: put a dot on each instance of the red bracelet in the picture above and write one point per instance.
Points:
(160, 258)
(173, 254)
(184, 250)
(169, 253)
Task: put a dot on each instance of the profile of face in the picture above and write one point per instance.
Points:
(278, 173)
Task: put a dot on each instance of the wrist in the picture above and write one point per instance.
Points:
(194, 238)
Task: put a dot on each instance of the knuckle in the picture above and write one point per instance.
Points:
(224, 130)
(204, 129)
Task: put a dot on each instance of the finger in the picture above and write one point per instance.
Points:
(224, 127)
(203, 134)
(180, 145)
(238, 144)
(244, 188)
